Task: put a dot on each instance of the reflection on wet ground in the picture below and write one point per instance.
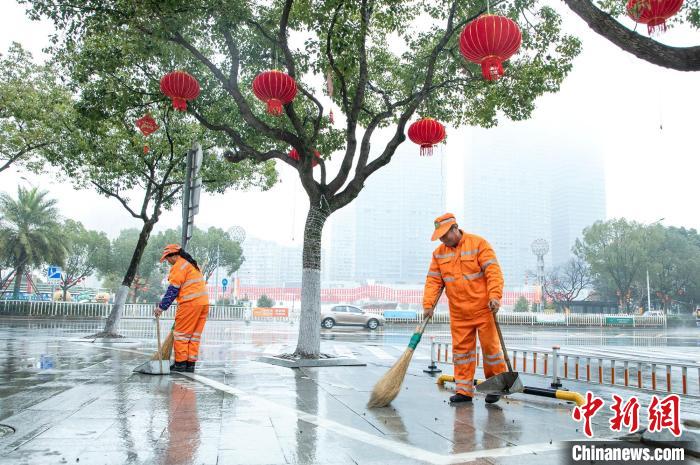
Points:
(72, 401)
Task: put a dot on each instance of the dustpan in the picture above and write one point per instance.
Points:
(504, 383)
(155, 367)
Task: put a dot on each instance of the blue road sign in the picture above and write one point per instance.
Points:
(224, 282)
(54, 272)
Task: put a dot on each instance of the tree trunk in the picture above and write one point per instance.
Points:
(309, 342)
(110, 329)
(19, 272)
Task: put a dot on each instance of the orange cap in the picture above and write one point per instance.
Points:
(442, 225)
(169, 250)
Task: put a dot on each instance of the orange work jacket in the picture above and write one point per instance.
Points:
(469, 272)
(190, 281)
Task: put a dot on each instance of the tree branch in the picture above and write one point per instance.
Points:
(678, 58)
(116, 195)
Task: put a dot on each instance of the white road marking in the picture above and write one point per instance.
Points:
(379, 353)
(343, 350)
(399, 448)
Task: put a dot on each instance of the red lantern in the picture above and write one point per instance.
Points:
(653, 13)
(180, 87)
(276, 89)
(426, 132)
(147, 125)
(490, 40)
(294, 155)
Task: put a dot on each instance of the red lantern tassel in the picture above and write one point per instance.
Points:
(426, 150)
(179, 104)
(491, 68)
(274, 107)
(146, 149)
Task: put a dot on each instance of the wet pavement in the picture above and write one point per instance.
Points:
(72, 401)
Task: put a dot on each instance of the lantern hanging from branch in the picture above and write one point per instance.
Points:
(490, 40)
(294, 155)
(426, 132)
(180, 87)
(147, 125)
(275, 88)
(653, 13)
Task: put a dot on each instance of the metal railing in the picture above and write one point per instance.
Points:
(226, 312)
(642, 373)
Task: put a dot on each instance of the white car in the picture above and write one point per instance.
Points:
(347, 315)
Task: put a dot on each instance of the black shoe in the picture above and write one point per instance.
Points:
(190, 367)
(179, 366)
(492, 398)
(457, 398)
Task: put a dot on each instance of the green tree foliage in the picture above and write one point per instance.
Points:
(108, 51)
(204, 246)
(30, 234)
(32, 108)
(521, 305)
(88, 252)
(619, 253)
(265, 302)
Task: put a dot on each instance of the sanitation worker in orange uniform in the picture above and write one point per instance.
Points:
(188, 287)
(466, 266)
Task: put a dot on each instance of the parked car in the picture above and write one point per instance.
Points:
(346, 315)
(653, 313)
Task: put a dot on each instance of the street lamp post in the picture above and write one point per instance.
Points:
(649, 287)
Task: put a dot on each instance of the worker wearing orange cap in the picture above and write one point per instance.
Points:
(188, 287)
(466, 266)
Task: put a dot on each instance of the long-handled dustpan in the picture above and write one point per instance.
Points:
(155, 367)
(503, 383)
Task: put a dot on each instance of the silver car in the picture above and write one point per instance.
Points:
(347, 315)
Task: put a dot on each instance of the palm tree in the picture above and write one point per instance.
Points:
(29, 232)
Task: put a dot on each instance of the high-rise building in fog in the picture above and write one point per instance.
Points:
(268, 263)
(384, 234)
(578, 198)
(520, 186)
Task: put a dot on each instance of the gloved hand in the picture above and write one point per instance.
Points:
(157, 312)
(494, 305)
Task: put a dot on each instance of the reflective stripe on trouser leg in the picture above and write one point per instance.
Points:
(186, 324)
(464, 354)
(193, 348)
(494, 363)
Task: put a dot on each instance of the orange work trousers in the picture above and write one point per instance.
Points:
(189, 324)
(464, 333)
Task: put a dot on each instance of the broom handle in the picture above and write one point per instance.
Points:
(424, 323)
(503, 344)
(160, 356)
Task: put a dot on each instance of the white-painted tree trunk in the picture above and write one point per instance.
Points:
(117, 310)
(309, 343)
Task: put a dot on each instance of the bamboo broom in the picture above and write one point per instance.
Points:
(388, 386)
(166, 349)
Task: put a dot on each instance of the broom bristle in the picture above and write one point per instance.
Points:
(165, 349)
(388, 386)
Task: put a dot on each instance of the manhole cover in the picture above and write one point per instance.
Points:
(6, 430)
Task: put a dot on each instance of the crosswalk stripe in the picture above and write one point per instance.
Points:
(379, 353)
(343, 351)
